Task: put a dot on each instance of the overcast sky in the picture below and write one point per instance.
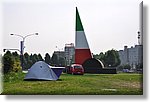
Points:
(107, 23)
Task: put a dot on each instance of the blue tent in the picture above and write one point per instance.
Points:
(42, 71)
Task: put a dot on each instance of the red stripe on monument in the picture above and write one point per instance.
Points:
(82, 55)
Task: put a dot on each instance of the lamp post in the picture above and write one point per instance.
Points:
(22, 45)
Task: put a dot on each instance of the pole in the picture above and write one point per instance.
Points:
(22, 47)
(21, 53)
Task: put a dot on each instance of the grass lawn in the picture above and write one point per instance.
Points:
(88, 84)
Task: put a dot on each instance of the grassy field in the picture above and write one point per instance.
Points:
(88, 84)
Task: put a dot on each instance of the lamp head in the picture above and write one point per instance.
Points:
(36, 33)
(4, 50)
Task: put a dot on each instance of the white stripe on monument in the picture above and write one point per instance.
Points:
(81, 41)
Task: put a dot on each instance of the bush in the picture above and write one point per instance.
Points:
(16, 66)
(13, 76)
(11, 63)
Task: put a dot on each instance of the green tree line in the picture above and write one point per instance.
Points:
(109, 58)
(12, 62)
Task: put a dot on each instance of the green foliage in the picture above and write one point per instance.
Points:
(30, 60)
(27, 61)
(11, 62)
(54, 59)
(110, 58)
(47, 58)
(15, 54)
(40, 57)
(7, 62)
(34, 58)
(17, 62)
(16, 66)
(13, 77)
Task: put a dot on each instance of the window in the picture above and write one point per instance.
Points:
(77, 66)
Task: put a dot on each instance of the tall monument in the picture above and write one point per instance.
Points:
(82, 50)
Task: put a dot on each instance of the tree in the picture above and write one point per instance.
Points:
(96, 56)
(40, 57)
(16, 55)
(27, 61)
(47, 58)
(7, 62)
(11, 62)
(17, 62)
(112, 58)
(31, 57)
(54, 59)
(16, 66)
(35, 58)
(100, 56)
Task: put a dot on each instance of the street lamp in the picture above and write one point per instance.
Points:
(22, 45)
(23, 37)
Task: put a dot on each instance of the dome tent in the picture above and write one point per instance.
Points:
(42, 71)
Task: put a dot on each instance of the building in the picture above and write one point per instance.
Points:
(132, 56)
(60, 54)
(69, 53)
(60, 58)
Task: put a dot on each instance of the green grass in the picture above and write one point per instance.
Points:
(88, 84)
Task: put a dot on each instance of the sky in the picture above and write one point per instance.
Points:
(108, 24)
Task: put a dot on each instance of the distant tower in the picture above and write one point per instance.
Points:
(82, 50)
(69, 52)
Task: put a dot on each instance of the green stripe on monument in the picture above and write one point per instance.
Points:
(79, 26)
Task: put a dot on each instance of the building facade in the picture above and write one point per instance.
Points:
(132, 56)
(60, 61)
(60, 54)
(69, 53)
